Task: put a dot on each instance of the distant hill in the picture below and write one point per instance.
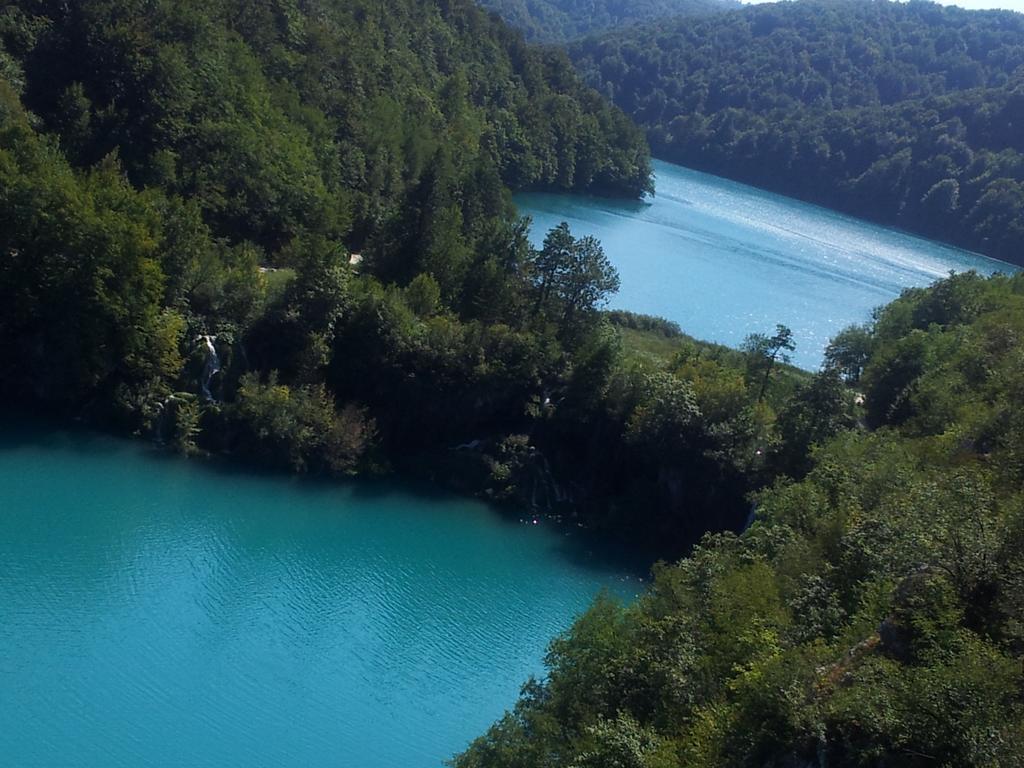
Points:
(560, 20)
(906, 113)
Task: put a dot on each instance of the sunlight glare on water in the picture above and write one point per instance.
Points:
(725, 260)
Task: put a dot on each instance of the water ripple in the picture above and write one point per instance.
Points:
(185, 617)
(726, 260)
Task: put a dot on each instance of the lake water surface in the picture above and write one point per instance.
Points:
(158, 612)
(725, 260)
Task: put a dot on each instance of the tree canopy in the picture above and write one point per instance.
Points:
(870, 615)
(330, 117)
(561, 20)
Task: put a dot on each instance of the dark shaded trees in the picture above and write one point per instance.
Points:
(81, 284)
(848, 352)
(278, 129)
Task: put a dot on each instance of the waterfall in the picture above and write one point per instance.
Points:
(211, 368)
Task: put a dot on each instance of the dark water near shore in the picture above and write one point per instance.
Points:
(725, 260)
(158, 612)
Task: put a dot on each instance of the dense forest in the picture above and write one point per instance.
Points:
(243, 229)
(909, 114)
(870, 616)
(562, 20)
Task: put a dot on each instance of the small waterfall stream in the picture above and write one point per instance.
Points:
(211, 368)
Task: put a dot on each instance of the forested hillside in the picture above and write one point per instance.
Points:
(872, 614)
(906, 113)
(561, 20)
(287, 235)
(278, 119)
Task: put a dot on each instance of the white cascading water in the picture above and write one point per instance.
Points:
(211, 368)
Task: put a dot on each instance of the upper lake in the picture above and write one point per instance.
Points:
(725, 260)
(164, 613)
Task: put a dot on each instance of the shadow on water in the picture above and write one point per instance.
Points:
(579, 547)
(28, 427)
(550, 202)
(594, 551)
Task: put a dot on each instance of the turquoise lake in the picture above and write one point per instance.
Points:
(725, 260)
(160, 612)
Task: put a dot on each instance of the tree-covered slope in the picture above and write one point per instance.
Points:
(176, 176)
(872, 614)
(184, 190)
(280, 117)
(906, 113)
(560, 20)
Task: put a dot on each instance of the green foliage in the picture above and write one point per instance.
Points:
(269, 145)
(559, 20)
(764, 352)
(80, 281)
(618, 743)
(665, 415)
(905, 113)
(326, 124)
(299, 428)
(848, 352)
(869, 616)
(572, 279)
(187, 427)
(423, 295)
(625, 319)
(818, 411)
